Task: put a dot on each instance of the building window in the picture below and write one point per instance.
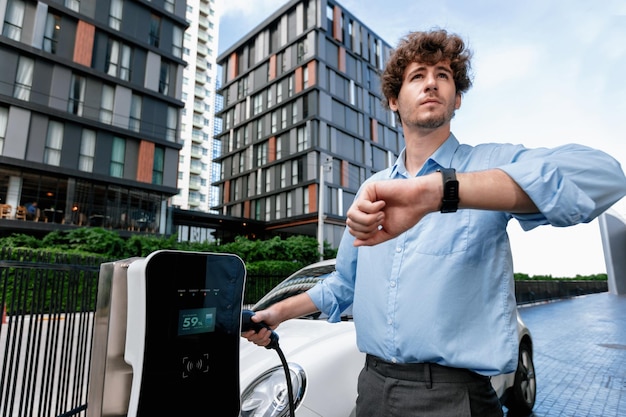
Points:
(269, 97)
(268, 209)
(73, 5)
(4, 120)
(302, 139)
(305, 199)
(24, 78)
(134, 120)
(279, 92)
(13, 20)
(274, 121)
(117, 157)
(118, 60)
(305, 77)
(294, 113)
(77, 95)
(51, 33)
(164, 78)
(259, 129)
(257, 104)
(115, 14)
(155, 30)
(294, 172)
(289, 203)
(106, 104)
(158, 165)
(177, 42)
(277, 207)
(54, 143)
(87, 150)
(301, 52)
(283, 117)
(169, 5)
(172, 124)
(283, 175)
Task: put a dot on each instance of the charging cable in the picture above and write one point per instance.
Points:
(248, 324)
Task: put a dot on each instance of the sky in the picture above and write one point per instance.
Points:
(546, 73)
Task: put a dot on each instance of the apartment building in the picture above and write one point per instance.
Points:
(303, 126)
(196, 169)
(90, 98)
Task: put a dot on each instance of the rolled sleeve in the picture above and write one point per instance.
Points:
(570, 184)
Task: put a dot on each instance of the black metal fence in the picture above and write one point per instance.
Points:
(45, 339)
(47, 303)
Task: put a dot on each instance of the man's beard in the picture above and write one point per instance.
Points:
(432, 121)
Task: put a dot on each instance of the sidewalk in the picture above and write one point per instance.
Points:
(579, 356)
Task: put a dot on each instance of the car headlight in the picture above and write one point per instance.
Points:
(268, 396)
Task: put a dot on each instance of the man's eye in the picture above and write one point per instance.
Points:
(443, 75)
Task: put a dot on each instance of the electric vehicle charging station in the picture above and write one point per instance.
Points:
(167, 334)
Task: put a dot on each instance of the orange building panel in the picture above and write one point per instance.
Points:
(311, 68)
(313, 198)
(337, 29)
(83, 47)
(145, 161)
(374, 129)
(272, 69)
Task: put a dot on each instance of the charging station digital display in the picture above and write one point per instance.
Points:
(196, 320)
(183, 335)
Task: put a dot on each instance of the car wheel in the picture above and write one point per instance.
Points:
(522, 398)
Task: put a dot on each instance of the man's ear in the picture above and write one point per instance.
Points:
(393, 103)
(457, 102)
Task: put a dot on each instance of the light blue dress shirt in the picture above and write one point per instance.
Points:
(443, 291)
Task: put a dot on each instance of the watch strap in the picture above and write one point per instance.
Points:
(450, 200)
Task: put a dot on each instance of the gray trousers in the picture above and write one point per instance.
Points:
(423, 390)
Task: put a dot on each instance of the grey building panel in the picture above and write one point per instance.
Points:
(28, 23)
(8, 69)
(170, 168)
(71, 146)
(16, 136)
(93, 95)
(36, 142)
(40, 87)
(153, 68)
(121, 107)
(131, 160)
(102, 164)
(88, 8)
(138, 68)
(99, 55)
(57, 80)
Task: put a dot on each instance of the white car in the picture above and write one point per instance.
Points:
(324, 363)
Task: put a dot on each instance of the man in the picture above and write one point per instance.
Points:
(31, 210)
(426, 259)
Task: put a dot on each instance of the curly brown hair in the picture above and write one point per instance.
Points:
(428, 48)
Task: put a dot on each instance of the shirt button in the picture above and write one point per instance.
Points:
(393, 283)
(398, 249)
(389, 321)
(394, 360)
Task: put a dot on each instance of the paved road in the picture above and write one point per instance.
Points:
(580, 356)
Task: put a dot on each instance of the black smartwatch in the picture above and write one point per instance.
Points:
(450, 201)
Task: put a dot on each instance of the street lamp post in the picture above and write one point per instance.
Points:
(326, 165)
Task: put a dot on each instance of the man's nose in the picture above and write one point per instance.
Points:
(430, 82)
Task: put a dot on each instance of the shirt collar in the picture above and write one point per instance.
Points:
(441, 158)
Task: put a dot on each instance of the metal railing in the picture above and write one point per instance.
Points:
(45, 338)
